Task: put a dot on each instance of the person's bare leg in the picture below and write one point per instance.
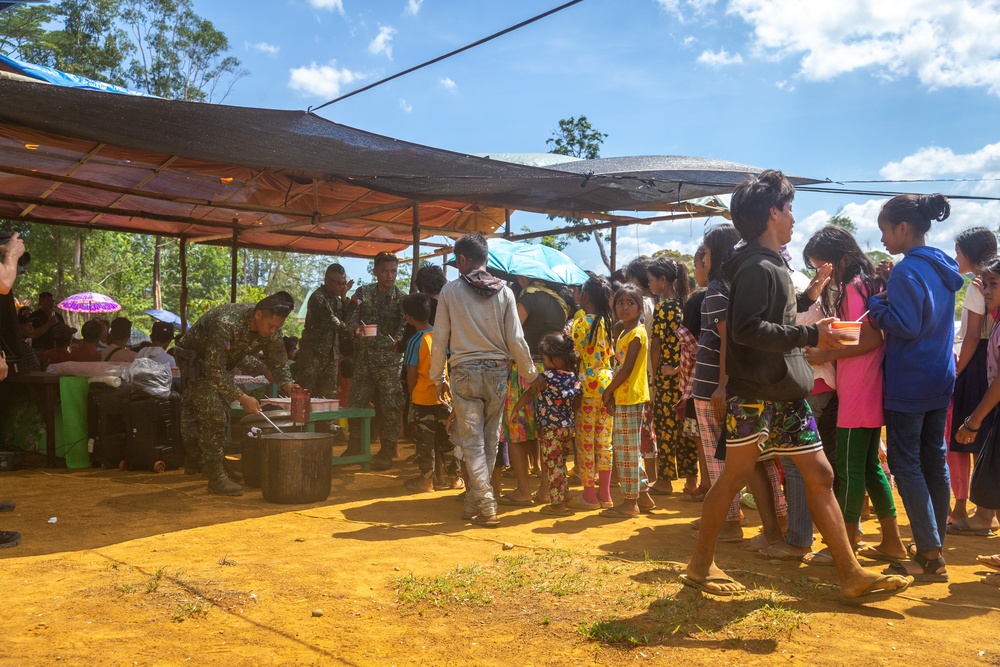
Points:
(518, 452)
(892, 543)
(818, 477)
(983, 519)
(760, 487)
(739, 466)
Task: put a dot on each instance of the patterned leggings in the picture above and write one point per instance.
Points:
(556, 445)
(625, 437)
(593, 439)
(711, 429)
(677, 455)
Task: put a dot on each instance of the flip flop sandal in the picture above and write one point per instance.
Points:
(692, 498)
(549, 509)
(778, 552)
(876, 592)
(875, 553)
(615, 513)
(822, 558)
(514, 502)
(962, 527)
(703, 585)
(648, 509)
(992, 562)
(485, 521)
(930, 567)
(606, 504)
(653, 491)
(991, 579)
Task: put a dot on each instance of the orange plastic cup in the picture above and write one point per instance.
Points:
(852, 328)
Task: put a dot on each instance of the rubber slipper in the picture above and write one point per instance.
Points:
(876, 592)
(653, 491)
(549, 509)
(579, 503)
(606, 504)
(692, 498)
(485, 521)
(962, 527)
(615, 513)
(927, 575)
(992, 562)
(877, 554)
(703, 585)
(991, 579)
(778, 552)
(514, 502)
(755, 543)
(821, 557)
(647, 509)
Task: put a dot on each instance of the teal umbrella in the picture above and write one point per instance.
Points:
(508, 259)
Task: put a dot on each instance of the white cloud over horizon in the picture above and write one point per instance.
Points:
(448, 84)
(413, 7)
(720, 58)
(321, 80)
(336, 5)
(264, 47)
(382, 44)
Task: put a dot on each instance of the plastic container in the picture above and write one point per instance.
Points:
(301, 405)
(325, 404)
(296, 467)
(371, 330)
(852, 328)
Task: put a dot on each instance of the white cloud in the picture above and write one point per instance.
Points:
(405, 106)
(337, 5)
(686, 10)
(933, 162)
(448, 84)
(383, 41)
(413, 7)
(785, 85)
(943, 44)
(689, 40)
(264, 47)
(321, 80)
(720, 58)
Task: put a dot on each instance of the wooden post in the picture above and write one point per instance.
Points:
(235, 264)
(614, 249)
(184, 285)
(506, 227)
(416, 247)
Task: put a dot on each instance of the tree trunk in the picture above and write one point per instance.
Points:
(604, 252)
(157, 295)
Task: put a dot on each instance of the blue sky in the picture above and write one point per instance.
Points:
(839, 89)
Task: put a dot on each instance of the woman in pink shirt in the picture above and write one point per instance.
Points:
(859, 387)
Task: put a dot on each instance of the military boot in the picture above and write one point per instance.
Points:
(218, 482)
(231, 472)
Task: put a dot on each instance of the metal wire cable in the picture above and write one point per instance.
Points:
(447, 55)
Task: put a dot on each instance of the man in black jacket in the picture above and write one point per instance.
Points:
(766, 414)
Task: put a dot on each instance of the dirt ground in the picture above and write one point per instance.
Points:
(147, 569)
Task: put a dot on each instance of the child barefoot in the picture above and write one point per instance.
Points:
(625, 398)
(554, 414)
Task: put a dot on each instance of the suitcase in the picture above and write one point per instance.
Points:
(154, 433)
(107, 424)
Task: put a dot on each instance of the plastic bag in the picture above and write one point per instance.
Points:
(151, 377)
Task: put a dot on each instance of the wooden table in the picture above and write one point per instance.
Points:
(364, 414)
(44, 388)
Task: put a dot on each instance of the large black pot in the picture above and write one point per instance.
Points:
(251, 457)
(296, 467)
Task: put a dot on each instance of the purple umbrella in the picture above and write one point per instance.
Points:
(89, 302)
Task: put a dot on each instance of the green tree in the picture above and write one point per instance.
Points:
(551, 240)
(843, 222)
(576, 137)
(23, 33)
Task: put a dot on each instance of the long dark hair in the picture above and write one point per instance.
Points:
(837, 246)
(918, 210)
(599, 295)
(720, 242)
(978, 244)
(673, 271)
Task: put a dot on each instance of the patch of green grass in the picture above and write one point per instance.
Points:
(154, 580)
(614, 631)
(462, 586)
(126, 588)
(771, 621)
(186, 609)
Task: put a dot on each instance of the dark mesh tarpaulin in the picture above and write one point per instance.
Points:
(290, 179)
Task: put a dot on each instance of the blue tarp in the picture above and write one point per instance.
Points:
(57, 78)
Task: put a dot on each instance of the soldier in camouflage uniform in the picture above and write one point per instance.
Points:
(207, 355)
(377, 365)
(318, 363)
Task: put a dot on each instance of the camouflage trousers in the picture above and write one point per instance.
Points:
(320, 374)
(432, 439)
(376, 382)
(204, 422)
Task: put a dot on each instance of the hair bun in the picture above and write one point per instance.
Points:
(934, 207)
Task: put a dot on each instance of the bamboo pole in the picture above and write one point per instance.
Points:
(235, 264)
(184, 285)
(416, 247)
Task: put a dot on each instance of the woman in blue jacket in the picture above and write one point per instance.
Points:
(916, 313)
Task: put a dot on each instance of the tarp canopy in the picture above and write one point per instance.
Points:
(291, 180)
